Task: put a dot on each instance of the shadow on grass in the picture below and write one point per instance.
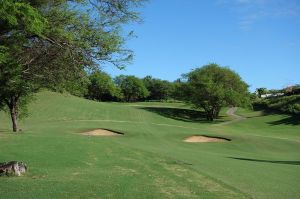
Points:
(186, 115)
(290, 120)
(268, 161)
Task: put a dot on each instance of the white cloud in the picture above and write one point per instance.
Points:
(251, 11)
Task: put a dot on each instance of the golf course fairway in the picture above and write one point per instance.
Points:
(150, 158)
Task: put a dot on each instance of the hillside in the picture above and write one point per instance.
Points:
(150, 160)
(284, 104)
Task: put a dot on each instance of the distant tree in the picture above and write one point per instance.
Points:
(132, 88)
(102, 87)
(180, 89)
(211, 87)
(261, 91)
(158, 89)
(292, 90)
(296, 89)
(273, 91)
(119, 79)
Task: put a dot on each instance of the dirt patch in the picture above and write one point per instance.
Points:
(203, 138)
(102, 132)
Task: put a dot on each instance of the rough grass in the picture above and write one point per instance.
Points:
(150, 161)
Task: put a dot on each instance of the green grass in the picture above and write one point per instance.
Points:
(150, 161)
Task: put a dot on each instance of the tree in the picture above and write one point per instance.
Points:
(180, 89)
(212, 86)
(48, 43)
(1, 103)
(132, 88)
(292, 90)
(15, 92)
(102, 87)
(158, 89)
(261, 91)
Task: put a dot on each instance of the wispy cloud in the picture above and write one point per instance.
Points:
(247, 22)
(250, 12)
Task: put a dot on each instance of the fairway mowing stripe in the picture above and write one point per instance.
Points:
(275, 138)
(175, 126)
(122, 121)
(154, 106)
(229, 112)
(238, 118)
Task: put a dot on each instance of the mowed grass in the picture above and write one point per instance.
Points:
(150, 160)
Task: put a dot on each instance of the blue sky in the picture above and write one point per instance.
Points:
(259, 39)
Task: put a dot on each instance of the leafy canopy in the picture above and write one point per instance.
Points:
(50, 43)
(212, 86)
(132, 88)
(102, 87)
(158, 89)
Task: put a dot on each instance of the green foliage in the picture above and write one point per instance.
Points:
(180, 90)
(75, 84)
(3, 54)
(292, 90)
(132, 88)
(158, 89)
(21, 16)
(52, 43)
(285, 104)
(12, 81)
(2, 104)
(211, 87)
(261, 91)
(102, 88)
(15, 89)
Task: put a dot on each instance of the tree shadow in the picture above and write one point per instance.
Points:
(290, 120)
(186, 115)
(268, 161)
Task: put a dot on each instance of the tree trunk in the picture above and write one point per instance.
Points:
(209, 115)
(212, 112)
(14, 116)
(217, 112)
(208, 112)
(13, 108)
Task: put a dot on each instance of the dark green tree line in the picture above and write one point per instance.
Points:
(158, 89)
(102, 88)
(132, 88)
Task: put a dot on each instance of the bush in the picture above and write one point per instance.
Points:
(285, 104)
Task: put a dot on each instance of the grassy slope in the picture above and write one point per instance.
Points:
(151, 161)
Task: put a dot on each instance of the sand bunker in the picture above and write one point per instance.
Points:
(102, 132)
(203, 138)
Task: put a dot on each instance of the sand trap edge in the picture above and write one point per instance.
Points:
(102, 132)
(205, 139)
